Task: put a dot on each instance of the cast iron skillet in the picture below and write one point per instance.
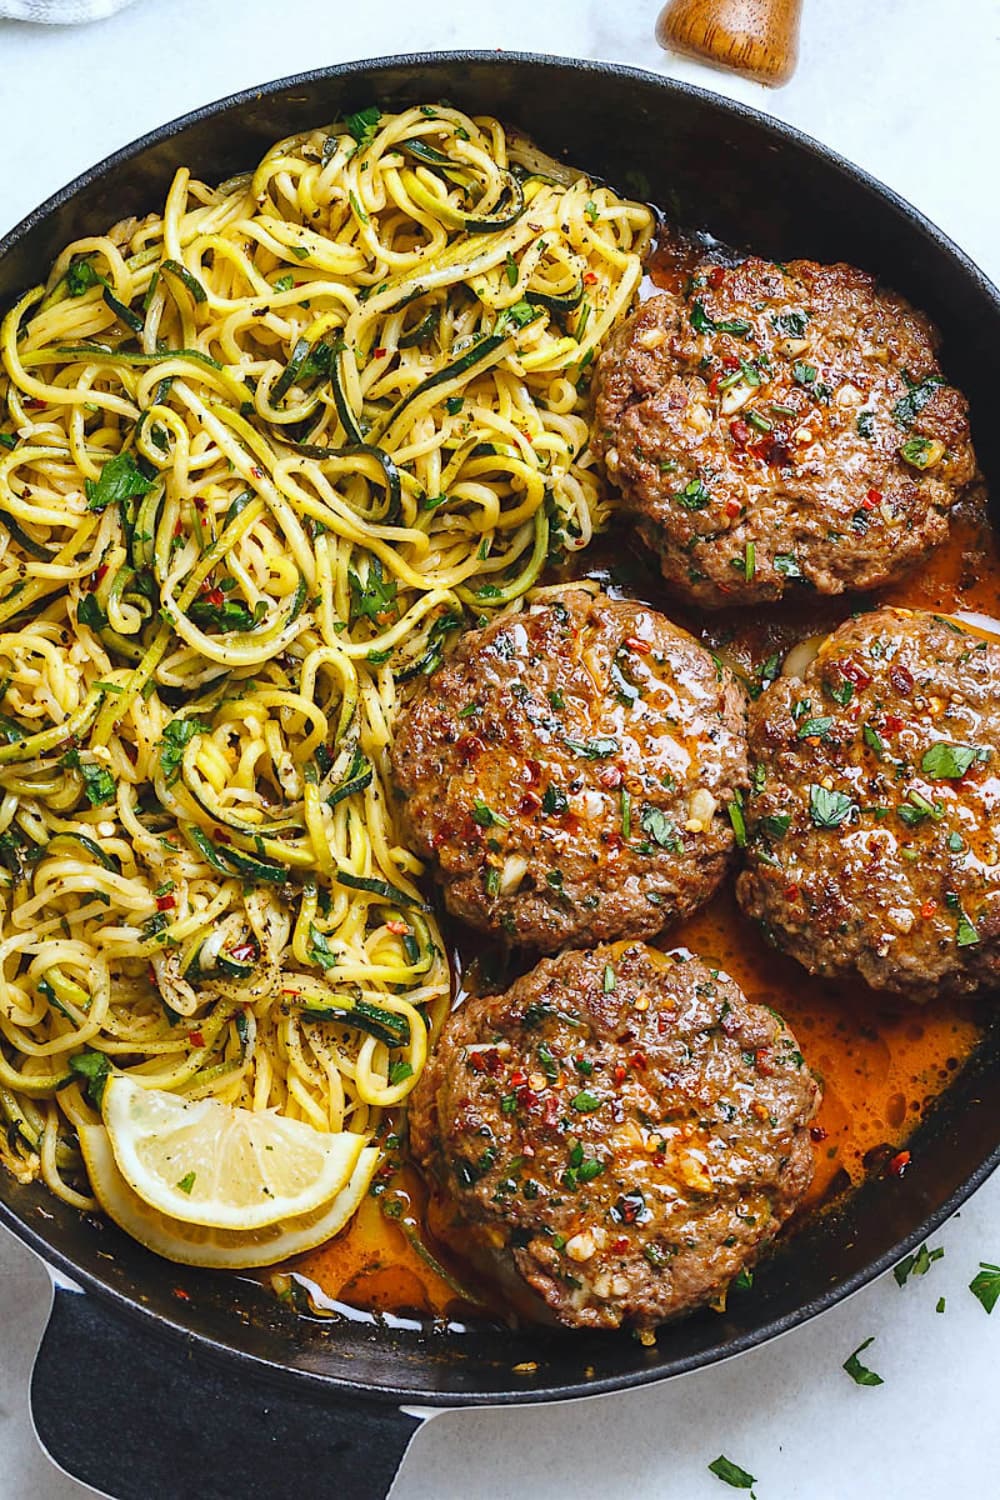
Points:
(156, 1380)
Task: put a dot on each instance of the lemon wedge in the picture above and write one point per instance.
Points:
(212, 1164)
(218, 1249)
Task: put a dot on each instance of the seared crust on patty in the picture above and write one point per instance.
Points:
(623, 1125)
(569, 770)
(874, 823)
(780, 426)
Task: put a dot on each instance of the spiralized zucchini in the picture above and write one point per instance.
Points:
(260, 455)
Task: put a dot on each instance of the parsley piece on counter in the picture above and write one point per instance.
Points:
(120, 479)
(917, 1264)
(857, 1371)
(947, 762)
(985, 1285)
(723, 1468)
(828, 809)
(940, 1305)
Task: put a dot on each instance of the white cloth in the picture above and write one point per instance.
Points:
(60, 12)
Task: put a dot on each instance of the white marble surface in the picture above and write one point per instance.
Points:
(908, 88)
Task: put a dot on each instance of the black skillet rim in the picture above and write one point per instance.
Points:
(751, 1338)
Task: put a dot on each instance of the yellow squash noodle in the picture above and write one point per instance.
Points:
(261, 453)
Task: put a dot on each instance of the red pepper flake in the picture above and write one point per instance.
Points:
(817, 1133)
(733, 507)
(518, 1079)
(215, 597)
(97, 577)
(730, 362)
(872, 498)
(854, 673)
(196, 1038)
(526, 1099)
(378, 354)
(34, 404)
(487, 1060)
(928, 909)
(469, 748)
(550, 1114)
(663, 1024)
(244, 953)
(713, 384)
(610, 778)
(529, 803)
(739, 432)
(636, 643)
(762, 1061)
(893, 723)
(589, 278)
(532, 772)
(716, 277)
(901, 678)
(619, 1074)
(620, 1245)
(257, 473)
(899, 1163)
(638, 1060)
(165, 903)
(399, 929)
(181, 1294)
(791, 893)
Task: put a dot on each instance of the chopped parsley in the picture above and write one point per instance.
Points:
(694, 496)
(917, 1264)
(775, 825)
(857, 1371)
(908, 407)
(120, 479)
(985, 1285)
(702, 323)
(585, 1102)
(828, 809)
(661, 829)
(486, 817)
(98, 784)
(187, 1182)
(554, 800)
(723, 1468)
(363, 125)
(738, 821)
(601, 748)
(815, 728)
(947, 762)
(176, 736)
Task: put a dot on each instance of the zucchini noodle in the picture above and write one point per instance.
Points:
(261, 454)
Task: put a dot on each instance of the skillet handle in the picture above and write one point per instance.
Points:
(135, 1415)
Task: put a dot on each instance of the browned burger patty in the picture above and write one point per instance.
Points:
(569, 772)
(781, 425)
(622, 1126)
(874, 820)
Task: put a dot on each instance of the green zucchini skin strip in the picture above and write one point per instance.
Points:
(393, 483)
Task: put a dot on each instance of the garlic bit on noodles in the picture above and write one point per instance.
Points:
(261, 454)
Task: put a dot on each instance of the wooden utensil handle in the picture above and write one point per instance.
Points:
(756, 37)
